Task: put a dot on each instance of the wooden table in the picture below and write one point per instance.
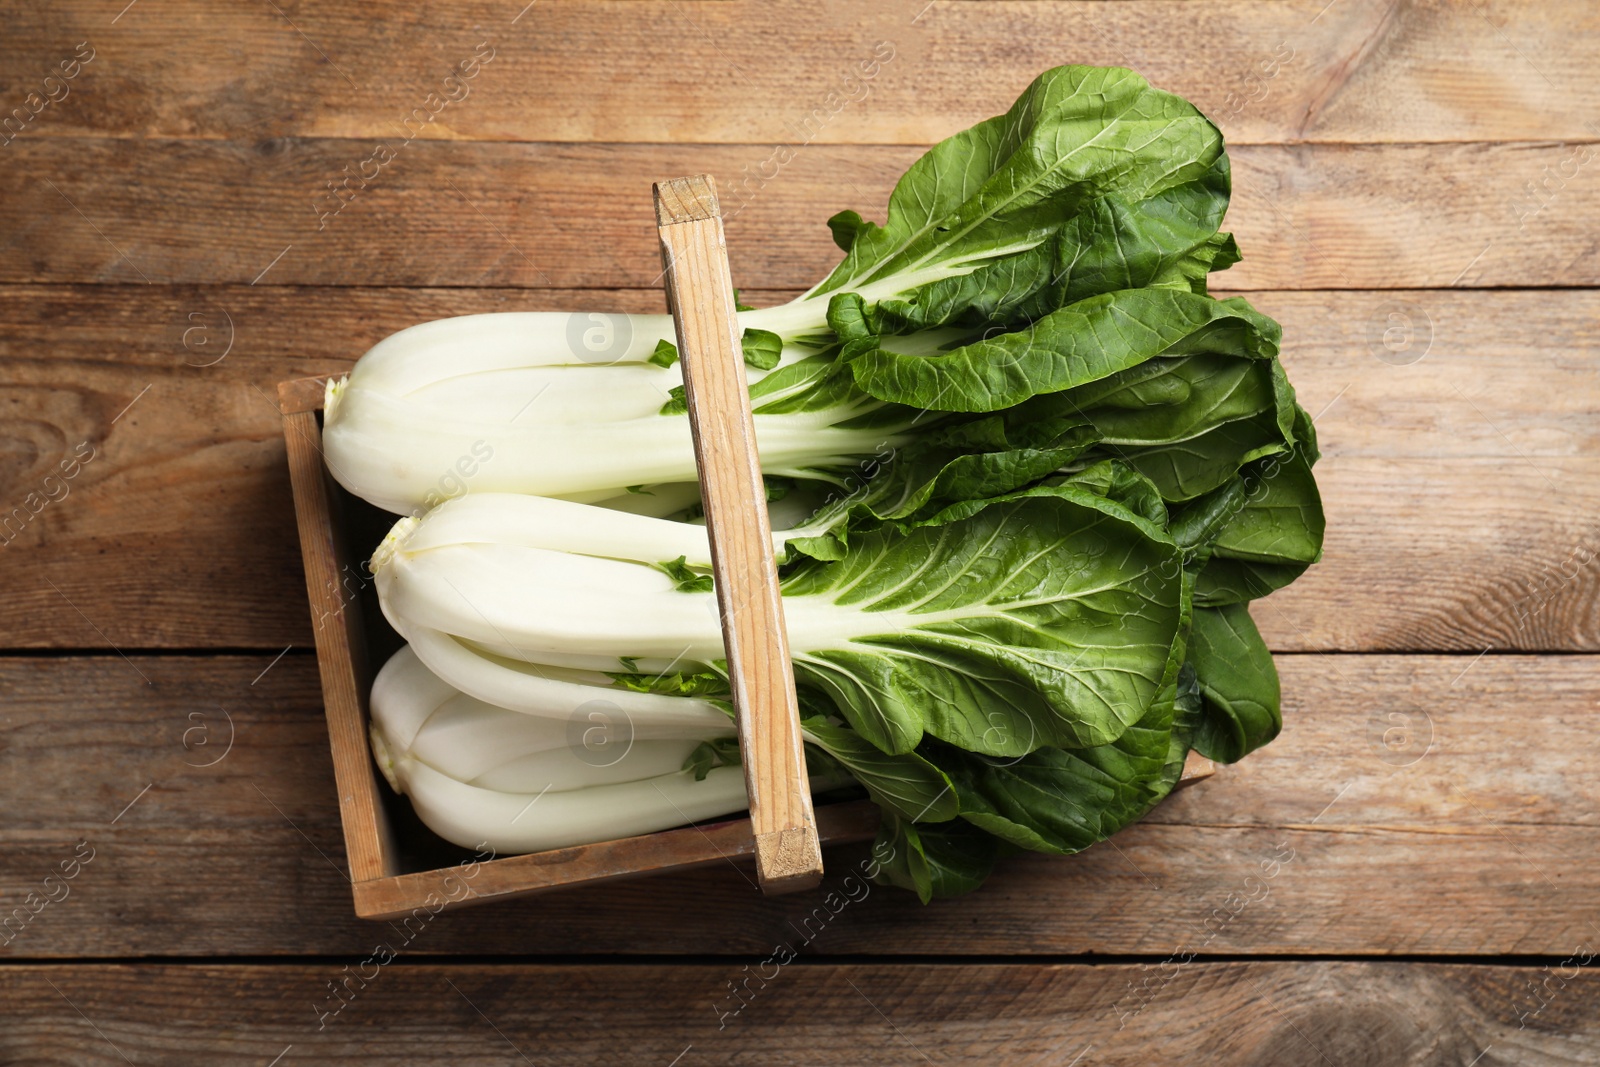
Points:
(1418, 197)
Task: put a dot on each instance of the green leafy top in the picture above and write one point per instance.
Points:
(1045, 618)
(1030, 199)
(1086, 342)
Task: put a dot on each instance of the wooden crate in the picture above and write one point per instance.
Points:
(382, 888)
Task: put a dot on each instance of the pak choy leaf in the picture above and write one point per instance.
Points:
(1064, 799)
(1116, 480)
(665, 355)
(1275, 531)
(1169, 240)
(970, 460)
(707, 756)
(689, 579)
(1040, 619)
(762, 348)
(1173, 397)
(1238, 684)
(906, 785)
(1083, 343)
(1052, 800)
(845, 226)
(933, 861)
(988, 218)
(1234, 417)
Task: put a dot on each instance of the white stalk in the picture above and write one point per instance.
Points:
(411, 359)
(560, 525)
(536, 778)
(571, 744)
(568, 526)
(493, 574)
(470, 816)
(397, 452)
(552, 403)
(542, 689)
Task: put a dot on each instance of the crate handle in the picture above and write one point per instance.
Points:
(699, 285)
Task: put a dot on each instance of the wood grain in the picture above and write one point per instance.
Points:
(1416, 804)
(579, 869)
(1461, 489)
(455, 214)
(694, 258)
(332, 585)
(879, 72)
(1256, 1013)
(1413, 805)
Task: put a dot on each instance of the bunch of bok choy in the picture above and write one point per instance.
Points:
(1024, 473)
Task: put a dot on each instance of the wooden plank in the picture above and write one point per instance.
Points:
(1413, 805)
(340, 636)
(884, 71)
(694, 260)
(578, 869)
(1255, 1012)
(1307, 217)
(1461, 489)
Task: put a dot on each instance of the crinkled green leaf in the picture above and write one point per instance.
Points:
(906, 784)
(1168, 240)
(762, 348)
(709, 755)
(1079, 344)
(934, 860)
(1189, 469)
(1275, 531)
(1001, 201)
(1115, 480)
(1061, 800)
(845, 226)
(1175, 398)
(1238, 684)
(665, 355)
(1008, 624)
(966, 461)
(688, 578)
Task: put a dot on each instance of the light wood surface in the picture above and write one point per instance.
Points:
(1308, 216)
(694, 261)
(761, 71)
(733, 1010)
